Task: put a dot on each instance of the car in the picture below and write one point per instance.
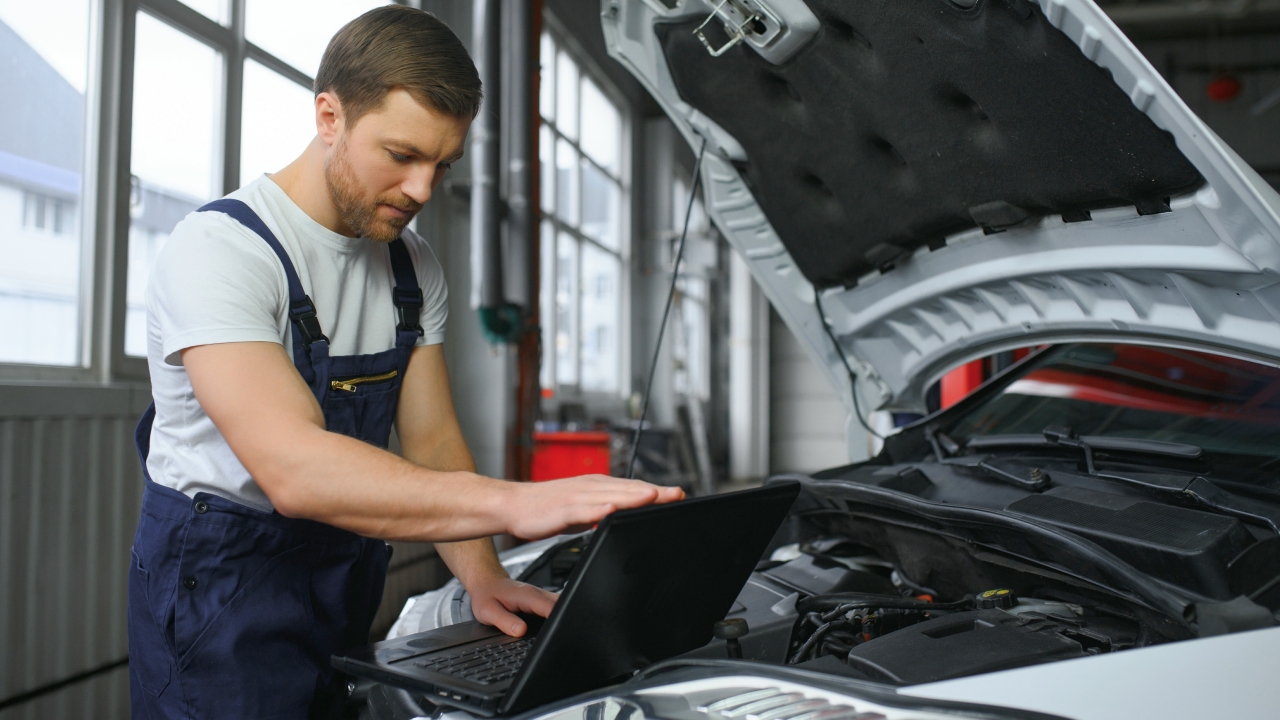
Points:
(1095, 531)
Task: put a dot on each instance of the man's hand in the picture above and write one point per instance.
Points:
(549, 508)
(495, 600)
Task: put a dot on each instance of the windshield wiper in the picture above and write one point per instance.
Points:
(1197, 489)
(1064, 436)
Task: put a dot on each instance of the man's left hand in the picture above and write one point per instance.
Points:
(495, 600)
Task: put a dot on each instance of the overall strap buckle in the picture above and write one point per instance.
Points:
(303, 314)
(409, 306)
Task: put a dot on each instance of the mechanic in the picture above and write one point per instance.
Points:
(289, 325)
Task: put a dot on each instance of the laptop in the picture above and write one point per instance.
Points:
(651, 585)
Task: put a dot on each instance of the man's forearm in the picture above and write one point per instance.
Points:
(341, 481)
(471, 561)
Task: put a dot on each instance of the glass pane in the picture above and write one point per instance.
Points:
(547, 186)
(298, 31)
(566, 182)
(547, 306)
(547, 79)
(600, 279)
(601, 201)
(1221, 404)
(177, 101)
(277, 122)
(601, 128)
(566, 96)
(216, 10)
(44, 49)
(566, 310)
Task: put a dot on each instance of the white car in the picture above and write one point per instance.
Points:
(1095, 532)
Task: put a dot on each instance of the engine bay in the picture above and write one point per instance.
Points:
(918, 572)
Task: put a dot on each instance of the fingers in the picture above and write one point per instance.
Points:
(491, 612)
(669, 494)
(529, 599)
(578, 503)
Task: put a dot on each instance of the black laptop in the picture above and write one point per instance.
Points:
(651, 585)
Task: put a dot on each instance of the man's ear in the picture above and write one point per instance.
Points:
(329, 119)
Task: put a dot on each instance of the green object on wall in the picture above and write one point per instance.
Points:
(502, 324)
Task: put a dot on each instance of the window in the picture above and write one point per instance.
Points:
(581, 149)
(43, 125)
(180, 129)
(177, 101)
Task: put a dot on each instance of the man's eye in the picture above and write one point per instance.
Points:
(444, 167)
(399, 158)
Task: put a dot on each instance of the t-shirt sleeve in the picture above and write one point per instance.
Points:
(435, 294)
(214, 282)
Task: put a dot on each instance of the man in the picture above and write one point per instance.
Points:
(289, 326)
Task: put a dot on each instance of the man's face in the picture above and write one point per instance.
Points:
(382, 171)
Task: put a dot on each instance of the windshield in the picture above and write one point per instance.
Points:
(1219, 403)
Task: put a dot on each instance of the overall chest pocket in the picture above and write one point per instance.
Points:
(363, 406)
(364, 384)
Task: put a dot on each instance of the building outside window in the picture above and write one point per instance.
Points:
(584, 241)
(44, 48)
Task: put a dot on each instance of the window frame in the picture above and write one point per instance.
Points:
(587, 68)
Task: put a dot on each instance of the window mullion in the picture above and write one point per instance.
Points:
(233, 99)
(193, 22)
(577, 316)
(257, 54)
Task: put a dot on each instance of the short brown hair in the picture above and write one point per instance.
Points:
(396, 46)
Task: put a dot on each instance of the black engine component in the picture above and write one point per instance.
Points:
(552, 569)
(1184, 546)
(835, 623)
(970, 643)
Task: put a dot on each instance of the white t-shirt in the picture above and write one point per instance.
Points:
(216, 281)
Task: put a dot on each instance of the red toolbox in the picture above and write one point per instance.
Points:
(569, 454)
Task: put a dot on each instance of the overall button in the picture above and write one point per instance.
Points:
(202, 507)
(189, 583)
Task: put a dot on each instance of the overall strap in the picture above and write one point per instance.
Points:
(302, 311)
(407, 296)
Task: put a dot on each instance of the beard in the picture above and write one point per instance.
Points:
(356, 210)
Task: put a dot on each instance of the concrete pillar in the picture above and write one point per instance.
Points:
(748, 374)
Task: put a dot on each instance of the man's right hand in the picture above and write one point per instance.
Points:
(543, 509)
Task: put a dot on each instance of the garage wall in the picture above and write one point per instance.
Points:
(806, 418)
(70, 486)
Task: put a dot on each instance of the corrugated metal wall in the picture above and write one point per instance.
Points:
(69, 493)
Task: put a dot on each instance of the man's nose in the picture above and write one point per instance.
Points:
(419, 185)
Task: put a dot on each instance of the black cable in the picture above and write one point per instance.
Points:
(662, 329)
(853, 379)
(829, 609)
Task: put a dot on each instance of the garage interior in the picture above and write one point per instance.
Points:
(125, 115)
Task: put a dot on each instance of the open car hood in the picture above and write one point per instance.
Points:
(956, 181)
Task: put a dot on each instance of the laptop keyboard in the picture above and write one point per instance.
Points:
(485, 664)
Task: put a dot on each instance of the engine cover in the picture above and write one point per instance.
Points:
(965, 643)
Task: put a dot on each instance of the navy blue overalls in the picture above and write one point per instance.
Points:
(234, 612)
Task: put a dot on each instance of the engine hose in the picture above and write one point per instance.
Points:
(803, 653)
(836, 605)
